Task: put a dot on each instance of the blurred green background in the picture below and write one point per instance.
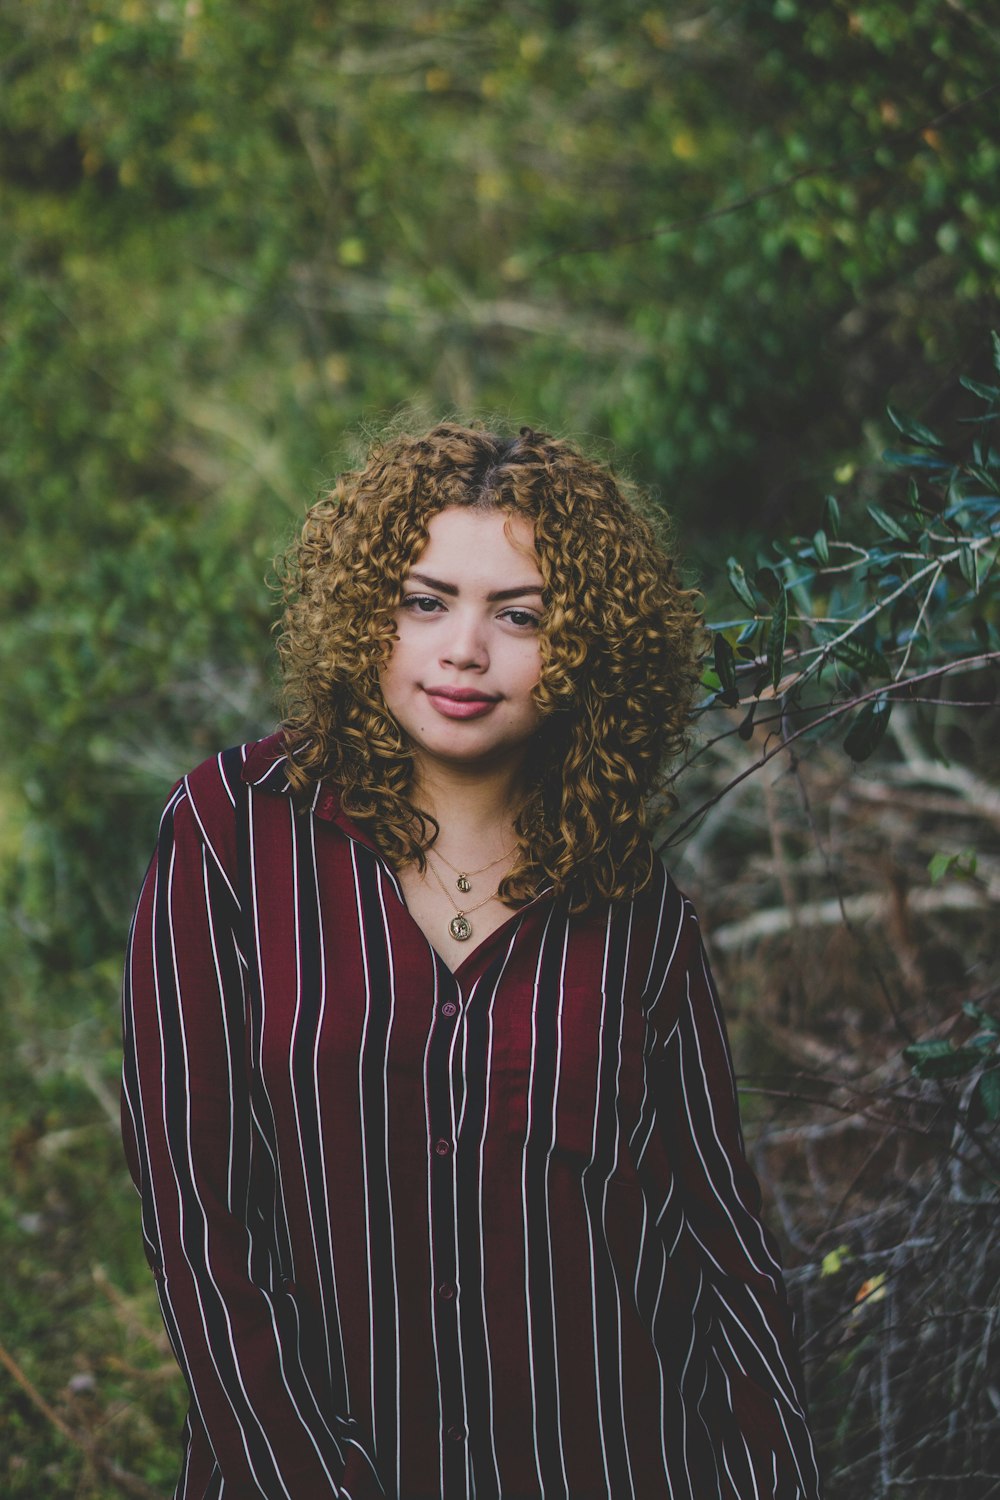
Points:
(709, 241)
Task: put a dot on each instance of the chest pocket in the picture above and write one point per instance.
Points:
(568, 1066)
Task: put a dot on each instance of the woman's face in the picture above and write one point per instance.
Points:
(466, 655)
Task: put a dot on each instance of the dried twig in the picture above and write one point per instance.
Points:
(129, 1484)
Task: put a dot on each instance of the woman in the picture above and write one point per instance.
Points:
(427, 1093)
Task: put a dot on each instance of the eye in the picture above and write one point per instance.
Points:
(524, 619)
(421, 604)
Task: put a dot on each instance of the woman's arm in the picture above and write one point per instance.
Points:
(754, 1399)
(187, 1131)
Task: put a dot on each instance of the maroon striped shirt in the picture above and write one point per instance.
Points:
(425, 1235)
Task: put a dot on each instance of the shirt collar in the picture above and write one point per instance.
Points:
(266, 770)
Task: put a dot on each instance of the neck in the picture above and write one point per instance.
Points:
(472, 808)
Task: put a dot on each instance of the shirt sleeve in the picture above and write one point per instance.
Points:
(235, 1328)
(753, 1390)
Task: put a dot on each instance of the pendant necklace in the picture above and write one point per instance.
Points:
(460, 927)
(464, 881)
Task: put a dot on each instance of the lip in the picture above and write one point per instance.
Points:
(461, 703)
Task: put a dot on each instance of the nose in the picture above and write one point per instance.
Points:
(465, 646)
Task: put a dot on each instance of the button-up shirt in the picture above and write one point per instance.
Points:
(423, 1234)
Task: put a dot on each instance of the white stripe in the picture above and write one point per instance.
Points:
(364, 1144)
(613, 1169)
(430, 1217)
(456, 1125)
(524, 1192)
(548, 1217)
(279, 1184)
(491, 1425)
(670, 960)
(320, 1021)
(196, 1277)
(205, 838)
(316, 1223)
(590, 1227)
(680, 1386)
(705, 1092)
(388, 1174)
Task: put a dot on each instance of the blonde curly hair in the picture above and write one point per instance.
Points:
(620, 642)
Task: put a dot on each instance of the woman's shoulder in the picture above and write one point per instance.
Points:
(664, 922)
(209, 795)
(221, 779)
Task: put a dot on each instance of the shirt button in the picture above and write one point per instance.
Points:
(449, 1008)
(456, 1433)
(446, 1291)
(442, 1147)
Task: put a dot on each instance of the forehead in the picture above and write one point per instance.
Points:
(480, 548)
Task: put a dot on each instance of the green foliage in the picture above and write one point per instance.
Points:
(232, 236)
(874, 619)
(976, 1060)
(227, 239)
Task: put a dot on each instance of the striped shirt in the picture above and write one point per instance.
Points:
(488, 1235)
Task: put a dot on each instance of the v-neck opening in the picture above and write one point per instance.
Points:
(469, 958)
(436, 954)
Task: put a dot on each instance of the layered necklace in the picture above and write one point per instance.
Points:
(460, 927)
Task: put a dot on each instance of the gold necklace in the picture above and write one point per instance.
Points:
(464, 881)
(460, 927)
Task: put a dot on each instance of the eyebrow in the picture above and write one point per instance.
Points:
(494, 598)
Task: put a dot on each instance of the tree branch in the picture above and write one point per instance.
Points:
(965, 662)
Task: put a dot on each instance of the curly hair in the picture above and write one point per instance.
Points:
(620, 642)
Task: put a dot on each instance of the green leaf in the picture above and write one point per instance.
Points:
(969, 565)
(963, 865)
(767, 580)
(865, 734)
(983, 1017)
(914, 460)
(821, 547)
(913, 431)
(745, 730)
(739, 584)
(987, 392)
(834, 1259)
(864, 660)
(936, 1047)
(960, 1061)
(888, 523)
(995, 341)
(988, 1089)
(985, 476)
(831, 515)
(776, 637)
(725, 666)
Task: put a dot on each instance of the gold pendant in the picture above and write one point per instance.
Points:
(464, 884)
(460, 927)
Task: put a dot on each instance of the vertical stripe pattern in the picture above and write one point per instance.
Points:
(488, 1235)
